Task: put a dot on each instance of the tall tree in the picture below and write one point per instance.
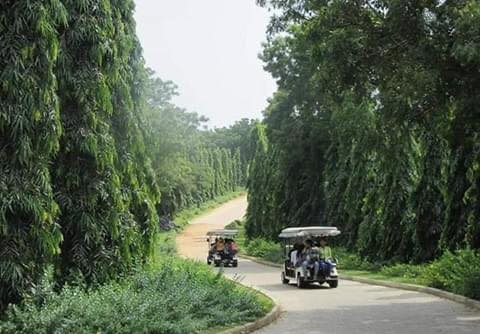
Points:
(29, 138)
(375, 122)
(101, 173)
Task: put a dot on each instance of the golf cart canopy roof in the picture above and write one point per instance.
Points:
(222, 233)
(309, 232)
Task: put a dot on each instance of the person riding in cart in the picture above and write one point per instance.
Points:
(312, 264)
(223, 251)
(310, 257)
(325, 257)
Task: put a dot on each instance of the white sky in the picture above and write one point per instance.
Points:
(209, 48)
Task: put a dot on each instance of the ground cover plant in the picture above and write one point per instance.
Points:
(173, 296)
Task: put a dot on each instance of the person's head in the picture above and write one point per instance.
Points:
(308, 243)
(323, 242)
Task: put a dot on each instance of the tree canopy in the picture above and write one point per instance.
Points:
(92, 149)
(375, 125)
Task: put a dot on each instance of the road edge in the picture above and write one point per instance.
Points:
(471, 303)
(260, 323)
(468, 302)
(250, 327)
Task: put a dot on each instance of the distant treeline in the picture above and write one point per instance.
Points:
(92, 150)
(375, 127)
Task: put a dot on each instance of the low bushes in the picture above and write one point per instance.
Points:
(176, 296)
(268, 250)
(457, 272)
(352, 261)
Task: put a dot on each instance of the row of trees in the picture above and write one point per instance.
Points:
(89, 144)
(192, 164)
(375, 126)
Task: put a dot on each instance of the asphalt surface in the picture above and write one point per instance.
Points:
(351, 308)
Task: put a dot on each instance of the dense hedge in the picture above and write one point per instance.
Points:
(375, 126)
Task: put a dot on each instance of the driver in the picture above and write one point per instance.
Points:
(325, 256)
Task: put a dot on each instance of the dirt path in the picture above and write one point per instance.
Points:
(192, 242)
(352, 308)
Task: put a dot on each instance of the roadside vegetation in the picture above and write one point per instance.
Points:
(373, 130)
(94, 159)
(173, 296)
(169, 295)
(457, 272)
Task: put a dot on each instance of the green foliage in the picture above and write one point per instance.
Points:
(29, 138)
(374, 127)
(458, 272)
(352, 261)
(192, 165)
(268, 250)
(406, 271)
(178, 297)
(102, 175)
(92, 149)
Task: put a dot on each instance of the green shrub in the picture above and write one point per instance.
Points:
(457, 272)
(352, 261)
(235, 225)
(177, 297)
(268, 250)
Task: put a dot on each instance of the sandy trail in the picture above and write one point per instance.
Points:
(192, 242)
(352, 308)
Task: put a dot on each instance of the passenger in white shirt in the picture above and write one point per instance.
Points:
(294, 254)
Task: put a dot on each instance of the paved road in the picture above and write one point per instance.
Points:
(351, 308)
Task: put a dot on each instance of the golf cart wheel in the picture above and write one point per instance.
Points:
(284, 279)
(300, 282)
(217, 264)
(209, 262)
(333, 284)
(235, 264)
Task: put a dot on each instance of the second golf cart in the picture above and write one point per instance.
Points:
(295, 268)
(222, 249)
